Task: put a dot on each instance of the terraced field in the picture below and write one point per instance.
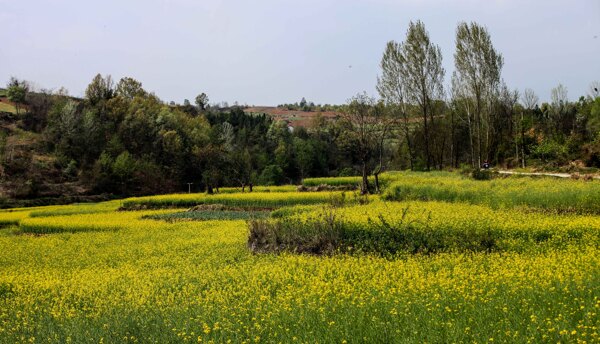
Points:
(432, 261)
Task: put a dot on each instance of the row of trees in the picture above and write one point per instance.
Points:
(122, 139)
(417, 124)
(305, 105)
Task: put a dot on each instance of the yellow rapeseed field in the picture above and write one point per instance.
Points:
(77, 275)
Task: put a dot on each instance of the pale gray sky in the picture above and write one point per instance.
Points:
(274, 51)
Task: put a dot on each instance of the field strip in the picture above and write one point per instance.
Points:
(558, 175)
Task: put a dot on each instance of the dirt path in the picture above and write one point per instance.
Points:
(558, 175)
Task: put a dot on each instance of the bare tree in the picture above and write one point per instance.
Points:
(559, 101)
(530, 99)
(507, 100)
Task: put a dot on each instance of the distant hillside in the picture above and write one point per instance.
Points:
(294, 118)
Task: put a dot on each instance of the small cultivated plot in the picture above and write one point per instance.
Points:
(390, 228)
(384, 179)
(545, 193)
(14, 216)
(259, 188)
(206, 215)
(91, 222)
(78, 208)
(245, 200)
(9, 218)
(5, 107)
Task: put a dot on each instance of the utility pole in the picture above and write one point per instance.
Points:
(190, 187)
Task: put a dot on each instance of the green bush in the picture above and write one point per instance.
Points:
(479, 174)
(329, 233)
(271, 175)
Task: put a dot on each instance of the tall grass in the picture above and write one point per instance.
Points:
(206, 215)
(384, 179)
(550, 194)
(247, 200)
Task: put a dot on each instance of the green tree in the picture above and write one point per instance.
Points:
(17, 91)
(100, 89)
(129, 88)
(422, 74)
(123, 169)
(202, 101)
(305, 156)
(362, 127)
(477, 77)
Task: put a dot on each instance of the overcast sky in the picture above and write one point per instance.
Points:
(274, 51)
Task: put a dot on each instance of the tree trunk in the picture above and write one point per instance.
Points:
(376, 182)
(426, 134)
(364, 187)
(411, 155)
(471, 139)
(522, 141)
(479, 139)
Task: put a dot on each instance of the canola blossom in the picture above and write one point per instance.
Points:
(440, 226)
(248, 199)
(93, 274)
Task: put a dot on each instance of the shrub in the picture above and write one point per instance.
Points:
(388, 229)
(479, 174)
(327, 232)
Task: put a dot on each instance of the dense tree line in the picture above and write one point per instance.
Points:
(123, 139)
(479, 118)
(305, 105)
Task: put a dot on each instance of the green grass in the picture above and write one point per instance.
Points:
(384, 180)
(7, 108)
(260, 188)
(246, 200)
(75, 209)
(211, 215)
(547, 194)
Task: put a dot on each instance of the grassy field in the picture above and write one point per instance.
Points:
(90, 273)
(542, 193)
(7, 108)
(249, 200)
